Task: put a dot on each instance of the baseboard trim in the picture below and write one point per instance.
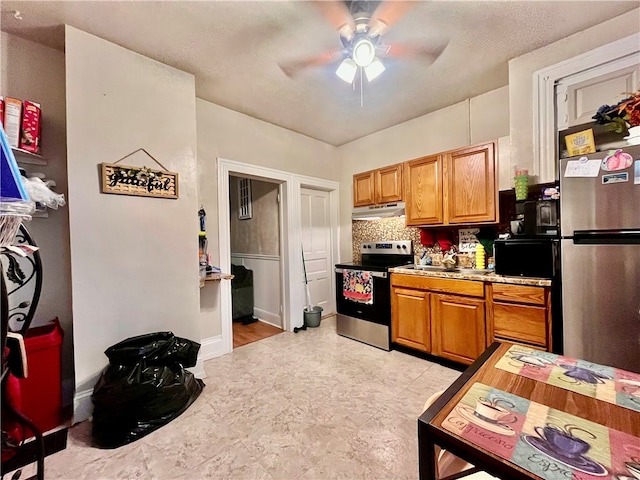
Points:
(198, 369)
(267, 317)
(82, 406)
(211, 347)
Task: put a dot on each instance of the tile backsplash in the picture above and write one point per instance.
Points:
(383, 229)
(395, 229)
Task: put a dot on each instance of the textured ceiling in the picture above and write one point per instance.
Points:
(234, 48)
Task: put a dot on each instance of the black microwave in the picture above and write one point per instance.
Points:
(527, 257)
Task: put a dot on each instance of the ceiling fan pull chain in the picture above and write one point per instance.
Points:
(361, 93)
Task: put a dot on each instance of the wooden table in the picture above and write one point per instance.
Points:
(431, 432)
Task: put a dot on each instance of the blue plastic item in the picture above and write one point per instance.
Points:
(11, 186)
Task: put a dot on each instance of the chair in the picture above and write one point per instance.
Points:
(448, 466)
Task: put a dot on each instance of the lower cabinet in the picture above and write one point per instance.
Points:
(519, 313)
(457, 327)
(411, 308)
(456, 320)
(444, 317)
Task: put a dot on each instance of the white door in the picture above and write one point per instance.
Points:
(316, 245)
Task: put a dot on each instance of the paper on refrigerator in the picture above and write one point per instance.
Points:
(582, 168)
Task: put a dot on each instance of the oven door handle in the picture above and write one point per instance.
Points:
(373, 274)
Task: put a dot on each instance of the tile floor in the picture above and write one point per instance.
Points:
(311, 405)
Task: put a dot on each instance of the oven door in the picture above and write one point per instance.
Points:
(377, 312)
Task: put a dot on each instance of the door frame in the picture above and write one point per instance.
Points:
(290, 238)
(544, 98)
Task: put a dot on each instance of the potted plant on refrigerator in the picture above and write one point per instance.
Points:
(622, 117)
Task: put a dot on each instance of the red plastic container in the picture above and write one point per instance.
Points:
(41, 391)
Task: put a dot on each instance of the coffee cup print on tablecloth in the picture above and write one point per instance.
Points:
(634, 468)
(531, 359)
(583, 375)
(563, 446)
(492, 411)
(490, 415)
(563, 441)
(631, 388)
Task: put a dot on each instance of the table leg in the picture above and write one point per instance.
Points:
(426, 454)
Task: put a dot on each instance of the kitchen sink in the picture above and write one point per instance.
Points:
(440, 268)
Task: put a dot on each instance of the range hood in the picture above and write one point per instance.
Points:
(376, 212)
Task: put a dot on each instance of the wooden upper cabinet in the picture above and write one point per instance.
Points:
(388, 184)
(363, 189)
(423, 191)
(471, 189)
(383, 185)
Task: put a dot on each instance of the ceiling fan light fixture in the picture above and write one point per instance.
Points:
(374, 69)
(363, 52)
(347, 70)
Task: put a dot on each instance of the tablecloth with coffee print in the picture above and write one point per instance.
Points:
(546, 442)
(608, 384)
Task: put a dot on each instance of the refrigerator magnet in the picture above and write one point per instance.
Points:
(636, 172)
(617, 160)
(615, 178)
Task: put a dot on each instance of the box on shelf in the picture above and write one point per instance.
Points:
(12, 120)
(30, 137)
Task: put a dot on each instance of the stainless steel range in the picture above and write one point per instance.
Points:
(363, 293)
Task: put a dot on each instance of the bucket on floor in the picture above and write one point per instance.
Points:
(312, 317)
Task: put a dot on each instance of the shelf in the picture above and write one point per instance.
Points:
(215, 277)
(28, 158)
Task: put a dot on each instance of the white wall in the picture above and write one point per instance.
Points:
(134, 260)
(24, 78)
(521, 71)
(234, 136)
(481, 118)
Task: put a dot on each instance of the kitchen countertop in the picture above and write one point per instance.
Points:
(478, 277)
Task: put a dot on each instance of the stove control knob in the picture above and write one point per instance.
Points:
(404, 247)
(397, 246)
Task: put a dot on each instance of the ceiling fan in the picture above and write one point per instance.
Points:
(361, 25)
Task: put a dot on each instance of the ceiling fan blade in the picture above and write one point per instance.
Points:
(387, 13)
(337, 13)
(292, 68)
(399, 50)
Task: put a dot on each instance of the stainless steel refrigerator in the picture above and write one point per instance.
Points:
(600, 251)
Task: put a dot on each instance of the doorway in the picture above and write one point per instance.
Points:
(255, 219)
(291, 279)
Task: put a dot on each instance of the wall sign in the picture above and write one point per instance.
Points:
(468, 240)
(138, 181)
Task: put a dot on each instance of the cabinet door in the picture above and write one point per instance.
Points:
(457, 326)
(520, 323)
(389, 184)
(410, 318)
(423, 191)
(363, 189)
(470, 195)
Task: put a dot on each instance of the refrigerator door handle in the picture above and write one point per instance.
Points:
(618, 237)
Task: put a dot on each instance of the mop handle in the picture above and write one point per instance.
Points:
(304, 268)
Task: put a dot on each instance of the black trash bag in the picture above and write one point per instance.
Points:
(144, 387)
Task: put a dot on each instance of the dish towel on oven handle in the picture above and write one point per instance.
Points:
(357, 286)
